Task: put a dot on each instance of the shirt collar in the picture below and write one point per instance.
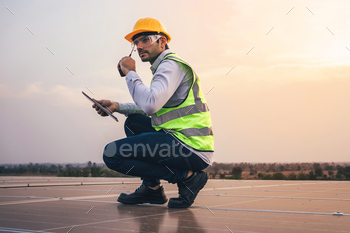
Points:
(158, 60)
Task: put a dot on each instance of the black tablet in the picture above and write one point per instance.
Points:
(100, 106)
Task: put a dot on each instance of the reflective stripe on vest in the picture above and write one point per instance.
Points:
(190, 121)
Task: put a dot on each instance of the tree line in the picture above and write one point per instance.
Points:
(69, 170)
(265, 171)
(286, 171)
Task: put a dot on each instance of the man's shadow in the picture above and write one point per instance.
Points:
(159, 219)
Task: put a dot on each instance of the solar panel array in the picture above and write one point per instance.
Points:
(61, 204)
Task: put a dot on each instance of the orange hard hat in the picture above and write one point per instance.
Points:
(147, 25)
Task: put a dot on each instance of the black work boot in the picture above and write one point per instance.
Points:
(143, 194)
(188, 190)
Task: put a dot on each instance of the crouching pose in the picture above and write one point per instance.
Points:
(168, 128)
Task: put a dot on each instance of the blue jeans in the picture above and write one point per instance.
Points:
(150, 154)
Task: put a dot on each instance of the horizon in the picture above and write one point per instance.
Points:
(63, 163)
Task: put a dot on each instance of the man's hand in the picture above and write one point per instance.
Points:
(127, 64)
(109, 105)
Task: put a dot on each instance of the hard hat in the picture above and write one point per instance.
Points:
(147, 25)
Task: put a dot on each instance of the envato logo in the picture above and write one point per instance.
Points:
(163, 150)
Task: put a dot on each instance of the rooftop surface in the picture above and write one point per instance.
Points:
(63, 204)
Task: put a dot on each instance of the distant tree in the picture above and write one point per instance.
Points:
(32, 168)
(339, 176)
(340, 172)
(330, 172)
(281, 168)
(237, 172)
(216, 168)
(222, 175)
(316, 165)
(212, 175)
(347, 172)
(319, 171)
(278, 176)
(292, 176)
(329, 168)
(251, 169)
(78, 173)
(261, 175)
(86, 171)
(95, 171)
(267, 177)
(272, 168)
(89, 164)
(299, 168)
(343, 172)
(312, 175)
(2, 170)
(53, 169)
(302, 176)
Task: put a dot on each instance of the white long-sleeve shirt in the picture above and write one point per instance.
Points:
(169, 88)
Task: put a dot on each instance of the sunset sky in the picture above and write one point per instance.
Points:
(277, 73)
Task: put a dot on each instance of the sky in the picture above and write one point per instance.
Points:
(276, 75)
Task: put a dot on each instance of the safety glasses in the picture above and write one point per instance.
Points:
(145, 41)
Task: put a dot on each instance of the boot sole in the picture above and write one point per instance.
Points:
(150, 201)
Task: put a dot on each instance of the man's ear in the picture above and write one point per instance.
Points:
(163, 41)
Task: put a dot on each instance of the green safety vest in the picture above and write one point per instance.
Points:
(190, 121)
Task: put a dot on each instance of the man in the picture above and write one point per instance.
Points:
(176, 142)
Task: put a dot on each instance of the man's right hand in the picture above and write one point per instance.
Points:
(109, 105)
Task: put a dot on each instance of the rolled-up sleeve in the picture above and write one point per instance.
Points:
(130, 108)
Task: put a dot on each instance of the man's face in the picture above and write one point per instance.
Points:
(148, 48)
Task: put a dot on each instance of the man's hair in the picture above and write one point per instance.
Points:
(151, 33)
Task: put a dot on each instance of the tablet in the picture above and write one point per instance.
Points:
(100, 106)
